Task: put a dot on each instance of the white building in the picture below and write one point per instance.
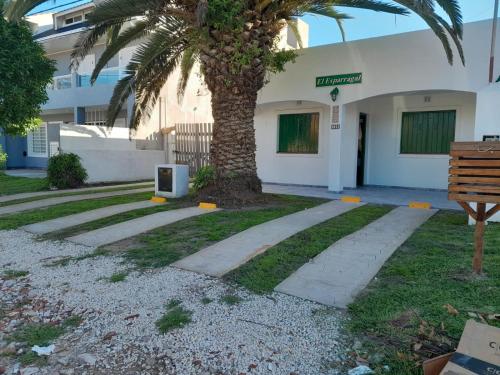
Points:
(398, 105)
(392, 120)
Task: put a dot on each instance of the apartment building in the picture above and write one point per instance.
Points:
(75, 114)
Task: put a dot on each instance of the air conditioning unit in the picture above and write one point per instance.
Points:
(171, 180)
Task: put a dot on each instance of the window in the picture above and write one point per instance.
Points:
(298, 133)
(37, 142)
(95, 116)
(427, 132)
(72, 20)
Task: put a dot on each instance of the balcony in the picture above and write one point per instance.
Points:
(75, 90)
(107, 77)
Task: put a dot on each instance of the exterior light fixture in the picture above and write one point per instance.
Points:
(334, 94)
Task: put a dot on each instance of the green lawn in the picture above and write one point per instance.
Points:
(16, 220)
(264, 272)
(168, 244)
(16, 185)
(431, 270)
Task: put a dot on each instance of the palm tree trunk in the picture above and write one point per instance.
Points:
(233, 146)
(234, 69)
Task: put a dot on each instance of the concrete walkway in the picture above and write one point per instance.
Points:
(8, 198)
(65, 199)
(85, 217)
(28, 173)
(371, 194)
(234, 251)
(339, 273)
(127, 229)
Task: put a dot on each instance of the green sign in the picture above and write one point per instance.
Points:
(498, 80)
(341, 79)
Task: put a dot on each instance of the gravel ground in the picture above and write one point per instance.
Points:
(271, 334)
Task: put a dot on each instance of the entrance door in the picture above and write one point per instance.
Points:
(361, 149)
(16, 152)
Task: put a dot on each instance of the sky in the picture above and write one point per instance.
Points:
(365, 24)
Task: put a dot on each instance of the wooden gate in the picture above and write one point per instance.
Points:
(192, 145)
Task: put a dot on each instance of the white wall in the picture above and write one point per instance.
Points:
(85, 137)
(120, 165)
(384, 163)
(487, 119)
(399, 63)
(290, 168)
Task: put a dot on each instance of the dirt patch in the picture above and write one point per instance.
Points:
(234, 192)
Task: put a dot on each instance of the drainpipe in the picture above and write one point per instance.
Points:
(493, 41)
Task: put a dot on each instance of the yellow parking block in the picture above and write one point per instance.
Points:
(207, 206)
(158, 200)
(348, 199)
(420, 205)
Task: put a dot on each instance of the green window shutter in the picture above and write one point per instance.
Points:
(427, 132)
(298, 133)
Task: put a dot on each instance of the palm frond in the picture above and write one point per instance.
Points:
(147, 72)
(452, 9)
(87, 40)
(113, 34)
(15, 10)
(189, 58)
(425, 9)
(377, 6)
(134, 32)
(330, 12)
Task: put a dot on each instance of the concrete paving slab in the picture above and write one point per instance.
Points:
(226, 255)
(28, 173)
(84, 217)
(127, 229)
(371, 194)
(340, 272)
(13, 197)
(68, 198)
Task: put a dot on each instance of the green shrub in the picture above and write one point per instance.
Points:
(204, 177)
(65, 171)
(3, 159)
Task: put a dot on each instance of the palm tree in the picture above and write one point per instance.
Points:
(235, 43)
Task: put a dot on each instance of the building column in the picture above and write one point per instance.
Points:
(337, 121)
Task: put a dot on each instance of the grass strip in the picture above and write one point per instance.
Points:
(92, 191)
(429, 273)
(16, 220)
(16, 185)
(264, 272)
(163, 246)
(175, 317)
(41, 334)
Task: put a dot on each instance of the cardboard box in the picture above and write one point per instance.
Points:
(434, 366)
(478, 353)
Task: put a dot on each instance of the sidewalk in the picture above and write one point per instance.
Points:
(371, 194)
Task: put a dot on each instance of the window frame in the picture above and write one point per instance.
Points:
(299, 112)
(30, 139)
(398, 128)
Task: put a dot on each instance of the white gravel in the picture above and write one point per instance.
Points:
(270, 334)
